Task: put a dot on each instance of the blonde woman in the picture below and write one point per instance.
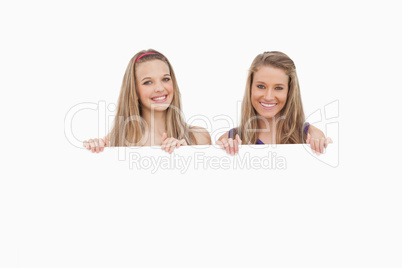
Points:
(272, 110)
(149, 109)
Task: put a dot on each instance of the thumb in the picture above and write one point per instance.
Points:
(327, 141)
(164, 136)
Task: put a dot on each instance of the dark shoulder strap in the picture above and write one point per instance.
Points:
(306, 125)
(231, 133)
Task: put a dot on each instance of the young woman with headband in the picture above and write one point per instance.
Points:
(272, 110)
(149, 109)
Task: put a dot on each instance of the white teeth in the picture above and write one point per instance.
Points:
(160, 98)
(267, 105)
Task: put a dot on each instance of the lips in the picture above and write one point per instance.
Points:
(268, 106)
(159, 99)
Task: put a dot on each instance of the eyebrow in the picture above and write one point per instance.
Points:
(150, 77)
(275, 84)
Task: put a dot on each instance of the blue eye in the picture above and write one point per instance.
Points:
(147, 83)
(261, 86)
(279, 88)
(166, 79)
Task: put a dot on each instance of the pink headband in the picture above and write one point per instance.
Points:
(143, 56)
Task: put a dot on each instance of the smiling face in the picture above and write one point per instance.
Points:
(269, 91)
(154, 85)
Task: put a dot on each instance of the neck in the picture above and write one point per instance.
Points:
(267, 130)
(156, 125)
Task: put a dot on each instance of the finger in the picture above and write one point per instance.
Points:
(327, 141)
(317, 146)
(226, 145)
(86, 145)
(322, 140)
(181, 142)
(172, 146)
(169, 143)
(97, 145)
(164, 144)
(92, 145)
(231, 146)
(101, 145)
(312, 145)
(236, 146)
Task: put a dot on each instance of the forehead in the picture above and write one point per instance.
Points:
(151, 68)
(269, 74)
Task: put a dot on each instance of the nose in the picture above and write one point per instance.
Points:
(269, 94)
(159, 87)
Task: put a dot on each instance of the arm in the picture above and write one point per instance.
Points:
(201, 135)
(315, 133)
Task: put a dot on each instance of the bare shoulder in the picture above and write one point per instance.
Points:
(201, 135)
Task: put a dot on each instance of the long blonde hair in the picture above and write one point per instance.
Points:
(129, 126)
(289, 128)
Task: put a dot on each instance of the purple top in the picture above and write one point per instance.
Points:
(231, 133)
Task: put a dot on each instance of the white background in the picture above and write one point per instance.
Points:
(61, 206)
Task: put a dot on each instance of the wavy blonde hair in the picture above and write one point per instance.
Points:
(129, 126)
(289, 128)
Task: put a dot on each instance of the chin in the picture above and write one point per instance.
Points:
(267, 115)
(161, 107)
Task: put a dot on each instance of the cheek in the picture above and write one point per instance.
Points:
(255, 100)
(283, 96)
(169, 87)
(254, 95)
(143, 93)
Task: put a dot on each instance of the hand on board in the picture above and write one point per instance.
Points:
(169, 144)
(231, 146)
(96, 145)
